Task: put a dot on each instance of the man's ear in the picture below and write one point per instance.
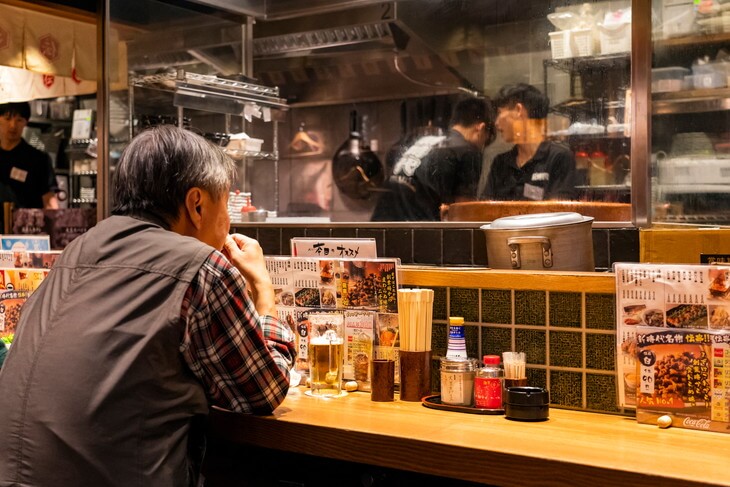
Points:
(193, 207)
(521, 110)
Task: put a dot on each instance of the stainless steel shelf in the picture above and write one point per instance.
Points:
(691, 101)
(211, 87)
(269, 156)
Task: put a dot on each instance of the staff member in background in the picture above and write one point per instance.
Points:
(438, 170)
(143, 322)
(24, 169)
(534, 169)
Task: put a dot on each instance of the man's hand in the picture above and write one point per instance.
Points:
(246, 255)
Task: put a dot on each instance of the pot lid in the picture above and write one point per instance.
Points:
(534, 220)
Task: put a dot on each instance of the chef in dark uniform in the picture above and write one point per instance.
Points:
(534, 169)
(26, 174)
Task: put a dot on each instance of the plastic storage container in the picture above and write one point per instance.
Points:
(668, 79)
(678, 18)
(582, 42)
(560, 44)
(710, 75)
(615, 38)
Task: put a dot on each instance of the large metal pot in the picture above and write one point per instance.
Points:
(541, 241)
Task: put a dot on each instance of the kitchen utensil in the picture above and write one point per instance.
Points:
(356, 169)
(542, 241)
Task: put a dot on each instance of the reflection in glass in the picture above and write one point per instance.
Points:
(690, 140)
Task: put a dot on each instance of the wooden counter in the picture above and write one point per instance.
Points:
(571, 448)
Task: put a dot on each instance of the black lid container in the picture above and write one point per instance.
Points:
(527, 404)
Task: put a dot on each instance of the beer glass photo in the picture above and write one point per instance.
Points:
(326, 353)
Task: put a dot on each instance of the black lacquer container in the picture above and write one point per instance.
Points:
(527, 404)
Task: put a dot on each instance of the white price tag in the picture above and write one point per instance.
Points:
(647, 379)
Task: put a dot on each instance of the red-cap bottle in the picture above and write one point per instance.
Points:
(488, 384)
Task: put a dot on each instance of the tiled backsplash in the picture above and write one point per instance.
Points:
(568, 338)
(438, 246)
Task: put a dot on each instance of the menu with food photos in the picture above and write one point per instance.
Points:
(673, 331)
(16, 286)
(364, 291)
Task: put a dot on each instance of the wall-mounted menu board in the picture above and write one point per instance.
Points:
(673, 343)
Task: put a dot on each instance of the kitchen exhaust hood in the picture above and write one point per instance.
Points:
(323, 52)
(360, 54)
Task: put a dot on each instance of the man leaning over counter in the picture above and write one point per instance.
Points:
(438, 170)
(141, 325)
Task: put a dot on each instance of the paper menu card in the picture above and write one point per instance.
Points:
(335, 283)
(671, 321)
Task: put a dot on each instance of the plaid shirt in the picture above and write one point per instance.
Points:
(241, 358)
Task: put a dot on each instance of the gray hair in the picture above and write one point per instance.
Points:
(160, 166)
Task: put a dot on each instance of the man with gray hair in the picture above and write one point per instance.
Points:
(143, 323)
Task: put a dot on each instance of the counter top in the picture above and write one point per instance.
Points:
(571, 448)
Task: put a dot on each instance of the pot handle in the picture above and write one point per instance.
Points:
(514, 250)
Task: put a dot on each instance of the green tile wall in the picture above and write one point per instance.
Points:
(600, 352)
(565, 309)
(537, 377)
(533, 343)
(566, 349)
(496, 340)
(439, 339)
(601, 392)
(497, 306)
(566, 388)
(530, 308)
(568, 338)
(471, 334)
(464, 302)
(601, 311)
(439, 303)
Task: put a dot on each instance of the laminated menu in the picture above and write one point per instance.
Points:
(16, 285)
(31, 259)
(673, 331)
(363, 291)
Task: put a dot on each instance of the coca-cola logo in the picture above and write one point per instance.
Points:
(48, 46)
(4, 38)
(697, 423)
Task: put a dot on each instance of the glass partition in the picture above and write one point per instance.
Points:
(690, 137)
(402, 69)
(177, 63)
